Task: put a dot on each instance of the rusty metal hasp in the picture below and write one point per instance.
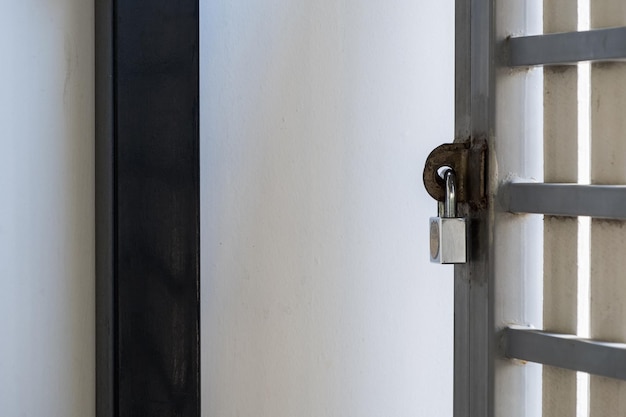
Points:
(468, 160)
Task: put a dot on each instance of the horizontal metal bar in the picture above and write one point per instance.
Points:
(600, 201)
(566, 351)
(568, 48)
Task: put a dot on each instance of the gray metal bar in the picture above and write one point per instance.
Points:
(566, 351)
(568, 48)
(474, 340)
(104, 201)
(600, 201)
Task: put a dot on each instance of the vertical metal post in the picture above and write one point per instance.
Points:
(473, 317)
(148, 208)
(105, 214)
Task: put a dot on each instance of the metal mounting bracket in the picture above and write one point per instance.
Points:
(468, 160)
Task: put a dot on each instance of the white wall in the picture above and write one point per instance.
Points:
(317, 295)
(47, 365)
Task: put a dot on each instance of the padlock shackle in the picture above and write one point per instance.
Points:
(449, 208)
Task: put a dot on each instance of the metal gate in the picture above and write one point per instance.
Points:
(542, 300)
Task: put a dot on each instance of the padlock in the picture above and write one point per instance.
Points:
(448, 233)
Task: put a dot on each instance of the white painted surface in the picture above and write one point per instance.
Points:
(517, 246)
(317, 295)
(47, 323)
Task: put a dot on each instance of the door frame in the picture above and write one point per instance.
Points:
(147, 208)
(131, 154)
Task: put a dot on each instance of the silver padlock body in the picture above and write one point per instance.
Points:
(448, 237)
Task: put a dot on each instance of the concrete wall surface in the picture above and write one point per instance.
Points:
(47, 280)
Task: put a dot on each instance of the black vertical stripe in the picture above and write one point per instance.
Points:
(148, 195)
